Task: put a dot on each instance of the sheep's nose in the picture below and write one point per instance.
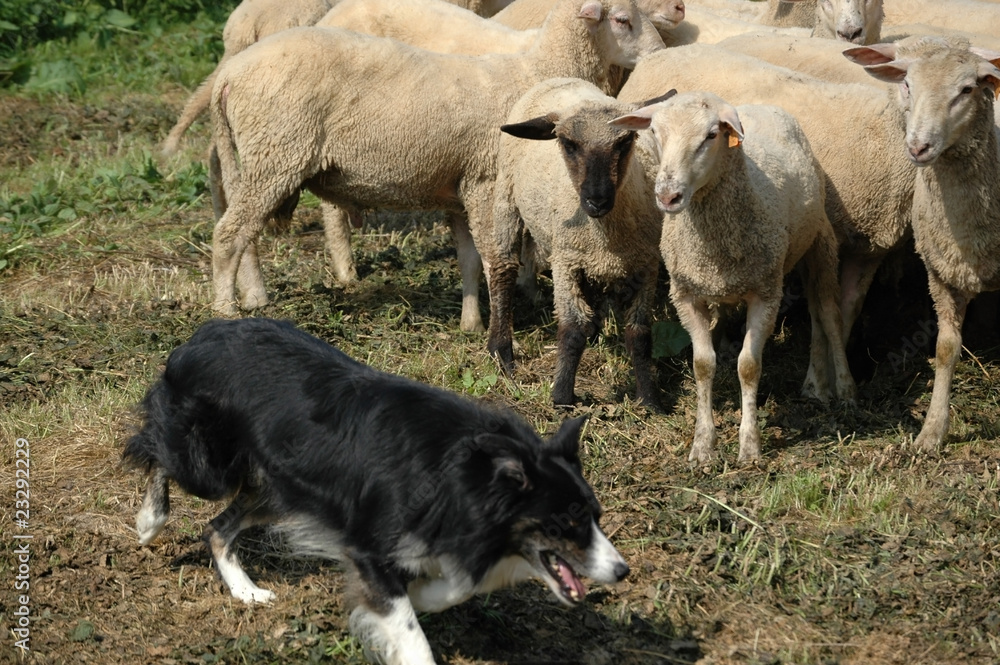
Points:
(919, 153)
(852, 37)
(598, 206)
(621, 570)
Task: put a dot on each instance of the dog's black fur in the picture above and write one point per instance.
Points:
(400, 479)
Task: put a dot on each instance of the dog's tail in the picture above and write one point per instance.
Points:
(187, 440)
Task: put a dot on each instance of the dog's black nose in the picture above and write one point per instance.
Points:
(621, 570)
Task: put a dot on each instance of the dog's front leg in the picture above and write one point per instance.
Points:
(391, 634)
(437, 594)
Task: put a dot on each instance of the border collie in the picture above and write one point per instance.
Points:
(426, 497)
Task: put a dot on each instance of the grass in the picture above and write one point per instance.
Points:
(839, 547)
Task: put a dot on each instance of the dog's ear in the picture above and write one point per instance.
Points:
(511, 470)
(566, 441)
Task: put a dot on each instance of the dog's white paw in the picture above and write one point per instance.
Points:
(254, 595)
(149, 524)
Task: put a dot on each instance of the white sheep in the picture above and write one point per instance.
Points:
(855, 21)
(853, 130)
(969, 15)
(370, 122)
(947, 90)
(434, 25)
(576, 186)
(252, 20)
(744, 202)
(524, 14)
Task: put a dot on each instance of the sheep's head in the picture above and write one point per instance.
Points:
(695, 132)
(596, 153)
(946, 90)
(623, 33)
(854, 21)
(664, 14)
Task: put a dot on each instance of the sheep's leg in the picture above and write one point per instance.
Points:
(638, 298)
(950, 304)
(502, 283)
(472, 267)
(337, 224)
(827, 347)
(527, 276)
(856, 275)
(697, 320)
(229, 242)
(250, 279)
(215, 185)
(761, 316)
(576, 324)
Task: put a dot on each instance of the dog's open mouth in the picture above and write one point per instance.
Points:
(570, 585)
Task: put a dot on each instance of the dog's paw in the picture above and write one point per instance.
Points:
(254, 595)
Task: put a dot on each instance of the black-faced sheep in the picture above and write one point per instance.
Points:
(743, 199)
(577, 188)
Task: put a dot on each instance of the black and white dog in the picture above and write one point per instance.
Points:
(426, 496)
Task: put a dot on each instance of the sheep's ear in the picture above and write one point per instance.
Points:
(988, 70)
(874, 54)
(989, 74)
(656, 100)
(731, 123)
(638, 119)
(541, 128)
(890, 72)
(591, 12)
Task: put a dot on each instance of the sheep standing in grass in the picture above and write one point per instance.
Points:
(251, 21)
(370, 122)
(576, 188)
(853, 130)
(948, 90)
(744, 203)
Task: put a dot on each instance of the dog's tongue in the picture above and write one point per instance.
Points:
(570, 579)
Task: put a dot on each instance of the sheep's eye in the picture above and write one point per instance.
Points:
(569, 146)
(623, 21)
(626, 140)
(712, 134)
(967, 90)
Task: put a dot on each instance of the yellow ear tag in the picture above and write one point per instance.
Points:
(734, 140)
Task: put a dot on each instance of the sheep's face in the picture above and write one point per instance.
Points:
(664, 14)
(623, 33)
(596, 154)
(851, 20)
(943, 90)
(695, 134)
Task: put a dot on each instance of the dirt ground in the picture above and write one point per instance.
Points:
(839, 547)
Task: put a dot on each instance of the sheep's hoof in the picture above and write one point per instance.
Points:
(225, 308)
(254, 300)
(927, 443)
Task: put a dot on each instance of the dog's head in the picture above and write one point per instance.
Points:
(553, 516)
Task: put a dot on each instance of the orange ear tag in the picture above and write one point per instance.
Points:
(734, 140)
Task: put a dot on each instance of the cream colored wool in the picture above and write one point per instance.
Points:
(434, 25)
(853, 130)
(739, 216)
(368, 122)
(950, 132)
(252, 20)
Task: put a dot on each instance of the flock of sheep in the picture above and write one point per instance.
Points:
(808, 134)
